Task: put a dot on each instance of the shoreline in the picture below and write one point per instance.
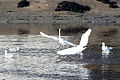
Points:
(61, 19)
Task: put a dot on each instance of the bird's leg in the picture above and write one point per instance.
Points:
(81, 53)
(60, 47)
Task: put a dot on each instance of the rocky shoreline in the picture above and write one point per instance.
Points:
(96, 19)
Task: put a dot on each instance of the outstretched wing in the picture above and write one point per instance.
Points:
(55, 38)
(71, 51)
(79, 48)
(68, 51)
(52, 37)
(84, 38)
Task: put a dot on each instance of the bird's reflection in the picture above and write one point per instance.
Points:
(84, 72)
(76, 69)
(104, 68)
(105, 56)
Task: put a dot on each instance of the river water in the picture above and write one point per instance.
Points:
(38, 58)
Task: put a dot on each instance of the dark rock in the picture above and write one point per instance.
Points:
(22, 31)
(104, 1)
(111, 4)
(23, 3)
(72, 6)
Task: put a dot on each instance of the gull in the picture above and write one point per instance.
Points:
(105, 49)
(8, 55)
(61, 41)
(16, 49)
(79, 48)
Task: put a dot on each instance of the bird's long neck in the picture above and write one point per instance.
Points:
(103, 44)
(59, 33)
(5, 52)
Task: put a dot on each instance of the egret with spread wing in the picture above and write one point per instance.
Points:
(79, 48)
(61, 41)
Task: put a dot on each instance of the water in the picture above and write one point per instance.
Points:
(37, 59)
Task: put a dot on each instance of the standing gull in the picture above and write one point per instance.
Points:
(105, 49)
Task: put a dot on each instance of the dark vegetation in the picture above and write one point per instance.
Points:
(110, 33)
(112, 4)
(23, 3)
(72, 6)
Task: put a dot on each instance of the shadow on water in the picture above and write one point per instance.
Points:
(110, 33)
(74, 30)
(22, 31)
(38, 58)
(25, 73)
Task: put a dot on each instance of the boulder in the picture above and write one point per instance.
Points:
(72, 6)
(23, 3)
(111, 4)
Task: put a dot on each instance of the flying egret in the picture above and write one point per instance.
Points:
(15, 49)
(8, 55)
(105, 49)
(61, 41)
(79, 48)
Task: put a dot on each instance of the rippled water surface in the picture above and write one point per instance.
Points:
(37, 59)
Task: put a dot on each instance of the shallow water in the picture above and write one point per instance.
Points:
(37, 59)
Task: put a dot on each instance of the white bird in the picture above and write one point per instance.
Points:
(15, 49)
(8, 55)
(105, 49)
(61, 41)
(79, 48)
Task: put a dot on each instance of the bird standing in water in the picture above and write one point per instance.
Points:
(105, 49)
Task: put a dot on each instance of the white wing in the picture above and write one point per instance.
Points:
(55, 38)
(79, 48)
(84, 38)
(52, 37)
(71, 51)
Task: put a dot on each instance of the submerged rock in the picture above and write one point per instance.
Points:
(23, 3)
(72, 6)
